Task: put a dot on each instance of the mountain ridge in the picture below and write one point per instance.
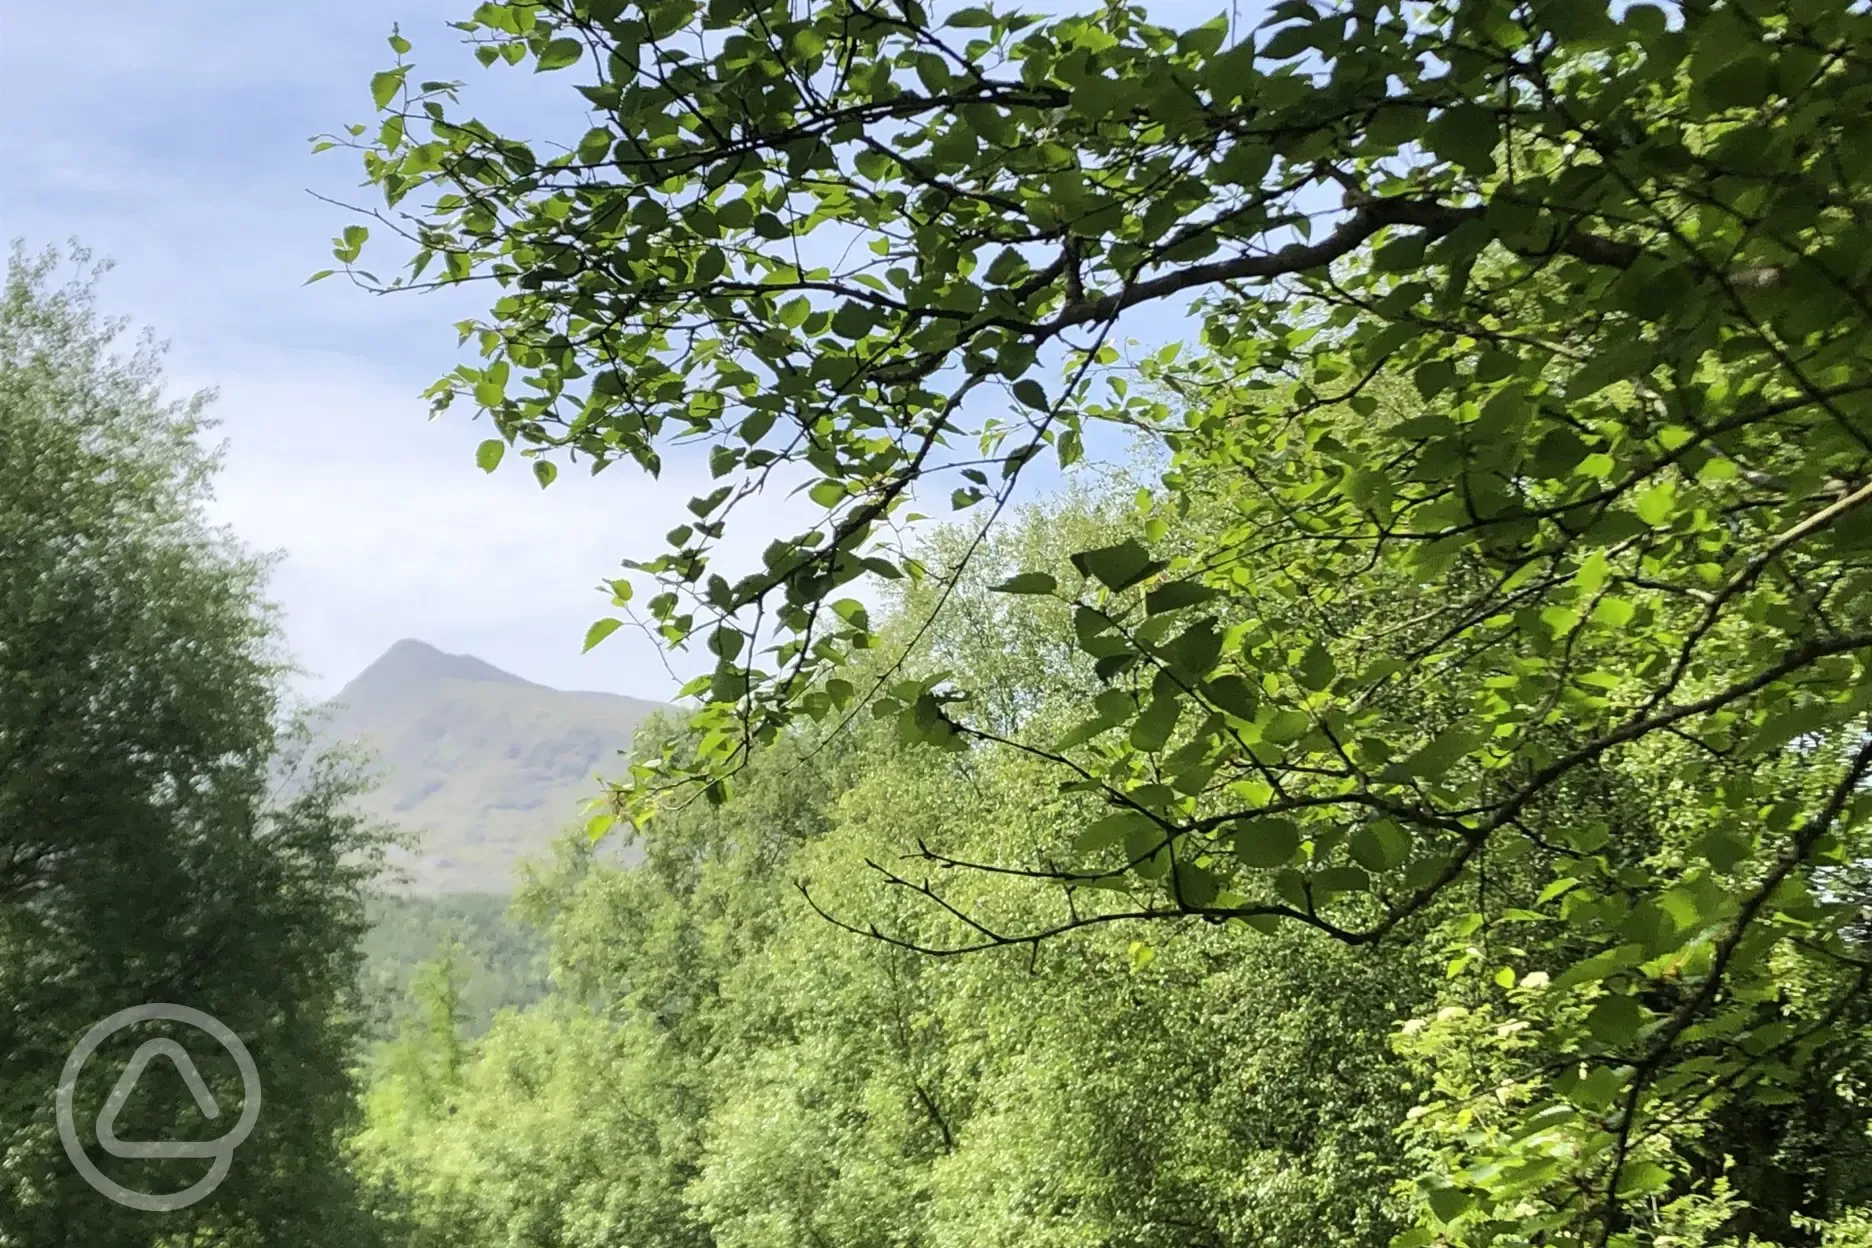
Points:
(410, 656)
(483, 766)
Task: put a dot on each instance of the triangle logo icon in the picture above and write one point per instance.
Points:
(126, 1084)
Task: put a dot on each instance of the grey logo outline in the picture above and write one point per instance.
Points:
(221, 1150)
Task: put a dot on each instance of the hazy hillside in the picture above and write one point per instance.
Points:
(487, 767)
(499, 961)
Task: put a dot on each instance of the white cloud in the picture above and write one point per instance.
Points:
(389, 531)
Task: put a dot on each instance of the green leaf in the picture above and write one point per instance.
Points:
(1380, 846)
(1234, 695)
(1194, 886)
(1722, 849)
(1396, 125)
(1027, 583)
(1147, 848)
(1153, 727)
(853, 320)
(1744, 82)
(601, 630)
(1613, 612)
(1335, 880)
(558, 54)
(1177, 594)
(1316, 668)
(1286, 726)
(1029, 391)
(1082, 733)
(1465, 135)
(725, 643)
(544, 470)
(1433, 377)
(1641, 1179)
(1656, 504)
(1266, 842)
(1598, 966)
(1116, 567)
(384, 86)
(1555, 889)
(1560, 621)
(1111, 831)
(1194, 651)
(1444, 751)
(709, 502)
(488, 454)
(1496, 365)
(1289, 42)
(1615, 1021)
(1449, 1203)
(794, 312)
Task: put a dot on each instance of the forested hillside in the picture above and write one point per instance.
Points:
(496, 959)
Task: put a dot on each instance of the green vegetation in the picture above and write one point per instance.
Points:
(720, 1065)
(1501, 600)
(500, 961)
(1423, 798)
(142, 857)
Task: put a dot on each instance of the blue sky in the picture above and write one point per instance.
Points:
(173, 140)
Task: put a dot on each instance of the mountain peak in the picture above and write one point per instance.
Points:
(412, 661)
(486, 766)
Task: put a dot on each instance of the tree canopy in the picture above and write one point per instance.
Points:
(718, 1065)
(149, 851)
(1509, 571)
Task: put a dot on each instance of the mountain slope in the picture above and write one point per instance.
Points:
(485, 766)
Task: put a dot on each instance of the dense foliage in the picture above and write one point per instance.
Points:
(719, 1065)
(1507, 585)
(500, 962)
(150, 847)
